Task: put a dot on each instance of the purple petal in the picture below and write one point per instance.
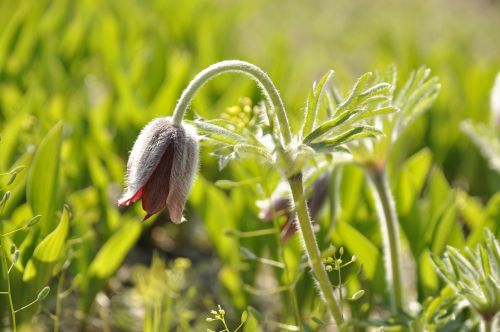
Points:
(183, 171)
(147, 152)
(155, 194)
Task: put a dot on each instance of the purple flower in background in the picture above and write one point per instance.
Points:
(281, 206)
(161, 168)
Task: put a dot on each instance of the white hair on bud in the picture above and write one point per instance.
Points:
(184, 168)
(147, 152)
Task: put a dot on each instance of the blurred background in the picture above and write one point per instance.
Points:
(96, 72)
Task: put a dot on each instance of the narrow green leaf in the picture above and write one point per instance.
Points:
(357, 243)
(348, 136)
(378, 89)
(112, 253)
(356, 90)
(376, 112)
(43, 178)
(243, 150)
(485, 262)
(441, 268)
(47, 254)
(330, 124)
(314, 102)
(218, 133)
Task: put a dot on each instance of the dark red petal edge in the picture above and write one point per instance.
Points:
(126, 201)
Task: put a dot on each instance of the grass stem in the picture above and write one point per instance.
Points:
(9, 292)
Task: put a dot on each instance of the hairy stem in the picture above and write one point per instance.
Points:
(386, 211)
(311, 247)
(488, 325)
(235, 66)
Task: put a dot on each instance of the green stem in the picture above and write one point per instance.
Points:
(311, 247)
(9, 291)
(390, 235)
(488, 325)
(260, 232)
(288, 279)
(59, 297)
(341, 297)
(235, 66)
(13, 231)
(26, 306)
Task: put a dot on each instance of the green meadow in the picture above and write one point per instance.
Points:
(380, 211)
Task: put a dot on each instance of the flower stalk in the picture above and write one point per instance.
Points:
(151, 160)
(488, 325)
(311, 247)
(386, 211)
(270, 92)
(296, 182)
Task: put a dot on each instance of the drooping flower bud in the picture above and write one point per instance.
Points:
(161, 168)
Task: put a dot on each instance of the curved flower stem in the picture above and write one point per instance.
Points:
(311, 247)
(390, 234)
(270, 92)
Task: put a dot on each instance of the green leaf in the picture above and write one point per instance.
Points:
(381, 89)
(244, 150)
(325, 127)
(217, 133)
(441, 268)
(348, 136)
(485, 138)
(357, 243)
(10, 139)
(47, 255)
(356, 90)
(411, 181)
(112, 253)
(252, 323)
(43, 178)
(376, 112)
(314, 102)
(108, 260)
(427, 274)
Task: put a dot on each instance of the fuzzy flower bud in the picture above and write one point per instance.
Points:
(161, 168)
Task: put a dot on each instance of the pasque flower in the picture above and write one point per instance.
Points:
(161, 168)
